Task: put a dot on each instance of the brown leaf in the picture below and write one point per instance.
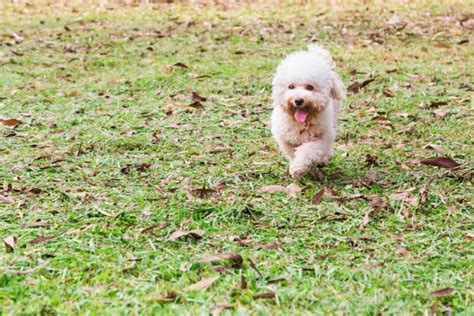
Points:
(203, 192)
(376, 204)
(443, 292)
(243, 283)
(388, 93)
(272, 188)
(196, 105)
(197, 233)
(10, 122)
(469, 235)
(264, 295)
(219, 308)
(424, 193)
(254, 267)
(159, 225)
(442, 162)
(357, 86)
(40, 239)
(140, 167)
(317, 197)
(371, 160)
(276, 281)
(197, 98)
(220, 268)
(293, 189)
(432, 104)
(441, 113)
(405, 196)
(436, 148)
(168, 297)
(272, 245)
(156, 137)
(35, 190)
(443, 309)
(10, 243)
(202, 285)
(38, 223)
(235, 258)
(6, 199)
(180, 64)
(403, 251)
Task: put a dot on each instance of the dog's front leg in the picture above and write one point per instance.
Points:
(307, 155)
(287, 149)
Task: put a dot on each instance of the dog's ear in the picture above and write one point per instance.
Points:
(338, 91)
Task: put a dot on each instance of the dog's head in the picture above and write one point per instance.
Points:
(304, 84)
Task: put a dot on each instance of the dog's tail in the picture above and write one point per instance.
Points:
(318, 50)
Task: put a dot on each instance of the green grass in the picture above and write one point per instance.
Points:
(91, 96)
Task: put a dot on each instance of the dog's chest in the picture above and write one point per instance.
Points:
(304, 133)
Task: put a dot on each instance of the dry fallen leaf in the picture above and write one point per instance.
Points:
(293, 189)
(317, 197)
(168, 297)
(436, 148)
(40, 239)
(219, 308)
(197, 98)
(139, 167)
(357, 86)
(159, 225)
(403, 251)
(443, 292)
(264, 295)
(272, 245)
(371, 160)
(272, 188)
(10, 122)
(243, 283)
(202, 193)
(38, 223)
(235, 258)
(376, 204)
(6, 199)
(202, 285)
(276, 281)
(424, 192)
(10, 243)
(441, 113)
(196, 105)
(180, 64)
(197, 233)
(442, 162)
(469, 235)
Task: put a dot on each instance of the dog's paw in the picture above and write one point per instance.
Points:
(297, 171)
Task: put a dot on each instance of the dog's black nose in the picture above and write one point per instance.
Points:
(299, 102)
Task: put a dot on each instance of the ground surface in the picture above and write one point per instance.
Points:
(113, 158)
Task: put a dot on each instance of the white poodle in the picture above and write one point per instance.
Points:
(307, 96)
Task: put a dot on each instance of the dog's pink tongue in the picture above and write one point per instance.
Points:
(300, 115)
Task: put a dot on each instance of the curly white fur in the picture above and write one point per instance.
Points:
(307, 97)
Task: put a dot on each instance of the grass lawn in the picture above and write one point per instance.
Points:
(122, 193)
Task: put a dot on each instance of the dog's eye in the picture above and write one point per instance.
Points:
(309, 87)
(291, 86)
